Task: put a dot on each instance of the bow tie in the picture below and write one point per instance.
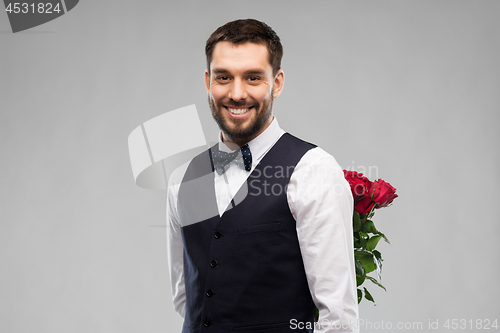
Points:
(241, 157)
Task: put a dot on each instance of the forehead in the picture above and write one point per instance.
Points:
(232, 57)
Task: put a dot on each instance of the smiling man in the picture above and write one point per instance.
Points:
(242, 85)
(260, 259)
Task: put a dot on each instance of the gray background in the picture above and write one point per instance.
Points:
(408, 88)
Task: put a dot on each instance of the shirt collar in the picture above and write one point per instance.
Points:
(262, 143)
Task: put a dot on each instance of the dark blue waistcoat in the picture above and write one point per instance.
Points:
(243, 271)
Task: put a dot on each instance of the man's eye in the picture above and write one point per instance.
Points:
(222, 78)
(253, 78)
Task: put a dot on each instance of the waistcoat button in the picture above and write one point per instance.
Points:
(217, 235)
(207, 322)
(213, 263)
(210, 293)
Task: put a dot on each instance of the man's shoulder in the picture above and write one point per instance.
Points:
(295, 140)
(315, 152)
(194, 167)
(316, 160)
(177, 175)
(319, 153)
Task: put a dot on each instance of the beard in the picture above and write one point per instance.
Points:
(239, 131)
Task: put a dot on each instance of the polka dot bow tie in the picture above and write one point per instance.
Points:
(241, 157)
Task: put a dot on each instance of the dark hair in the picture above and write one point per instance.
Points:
(247, 30)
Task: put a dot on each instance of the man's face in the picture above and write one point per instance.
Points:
(241, 88)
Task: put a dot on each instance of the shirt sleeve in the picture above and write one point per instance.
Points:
(321, 202)
(175, 249)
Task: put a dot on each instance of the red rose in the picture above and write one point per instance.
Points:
(363, 206)
(360, 188)
(360, 185)
(382, 193)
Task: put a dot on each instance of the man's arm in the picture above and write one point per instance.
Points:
(321, 202)
(175, 250)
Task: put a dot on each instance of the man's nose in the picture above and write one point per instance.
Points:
(237, 91)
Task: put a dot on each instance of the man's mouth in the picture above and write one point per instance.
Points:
(238, 110)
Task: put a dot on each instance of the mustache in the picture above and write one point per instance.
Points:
(237, 104)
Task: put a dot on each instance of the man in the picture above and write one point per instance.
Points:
(259, 226)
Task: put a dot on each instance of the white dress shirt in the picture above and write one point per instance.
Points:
(320, 200)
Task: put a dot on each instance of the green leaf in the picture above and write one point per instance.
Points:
(357, 243)
(368, 296)
(378, 262)
(360, 273)
(372, 243)
(369, 227)
(360, 295)
(356, 222)
(378, 258)
(367, 259)
(385, 238)
(378, 233)
(362, 243)
(376, 282)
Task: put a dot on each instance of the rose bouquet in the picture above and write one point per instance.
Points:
(368, 196)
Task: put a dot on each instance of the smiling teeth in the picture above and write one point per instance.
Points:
(238, 111)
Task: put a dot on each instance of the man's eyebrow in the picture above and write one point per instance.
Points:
(248, 72)
(255, 72)
(220, 71)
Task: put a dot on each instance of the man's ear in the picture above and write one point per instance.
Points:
(279, 82)
(207, 80)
